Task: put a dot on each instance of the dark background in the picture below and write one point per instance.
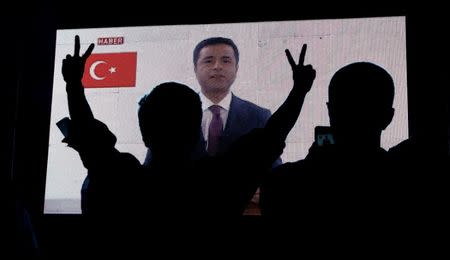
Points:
(28, 40)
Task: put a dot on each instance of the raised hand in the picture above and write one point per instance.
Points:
(285, 117)
(303, 75)
(72, 70)
(73, 66)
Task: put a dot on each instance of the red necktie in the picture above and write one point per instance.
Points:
(215, 130)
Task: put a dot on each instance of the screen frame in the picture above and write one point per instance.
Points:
(33, 35)
(325, 21)
(70, 20)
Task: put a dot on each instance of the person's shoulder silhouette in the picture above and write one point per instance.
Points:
(339, 181)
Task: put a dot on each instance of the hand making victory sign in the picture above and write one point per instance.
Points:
(73, 66)
(303, 75)
(72, 70)
(284, 119)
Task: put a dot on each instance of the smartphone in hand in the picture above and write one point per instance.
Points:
(63, 126)
(323, 136)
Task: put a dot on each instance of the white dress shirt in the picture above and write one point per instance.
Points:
(207, 114)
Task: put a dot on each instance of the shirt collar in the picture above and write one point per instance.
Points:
(225, 103)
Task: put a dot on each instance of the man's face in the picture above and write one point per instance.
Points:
(216, 68)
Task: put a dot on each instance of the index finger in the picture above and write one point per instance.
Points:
(77, 46)
(88, 51)
(301, 60)
(290, 59)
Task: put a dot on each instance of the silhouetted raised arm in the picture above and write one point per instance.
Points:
(87, 135)
(72, 70)
(284, 118)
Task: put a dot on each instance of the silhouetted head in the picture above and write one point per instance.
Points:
(170, 118)
(360, 102)
(216, 62)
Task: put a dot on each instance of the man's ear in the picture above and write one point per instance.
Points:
(237, 67)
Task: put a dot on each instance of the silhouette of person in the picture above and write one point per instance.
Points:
(348, 183)
(173, 192)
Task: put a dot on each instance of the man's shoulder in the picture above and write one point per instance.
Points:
(248, 105)
(128, 158)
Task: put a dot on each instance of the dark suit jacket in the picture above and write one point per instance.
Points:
(242, 118)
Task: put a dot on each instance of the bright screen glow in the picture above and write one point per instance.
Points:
(164, 53)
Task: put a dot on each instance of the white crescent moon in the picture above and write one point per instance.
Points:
(92, 70)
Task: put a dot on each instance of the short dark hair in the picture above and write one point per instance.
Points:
(363, 80)
(214, 41)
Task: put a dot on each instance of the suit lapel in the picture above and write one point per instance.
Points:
(236, 119)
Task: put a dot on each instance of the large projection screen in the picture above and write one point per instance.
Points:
(164, 53)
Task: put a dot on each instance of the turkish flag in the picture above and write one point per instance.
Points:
(110, 70)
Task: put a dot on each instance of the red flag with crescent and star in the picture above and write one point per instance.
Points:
(110, 70)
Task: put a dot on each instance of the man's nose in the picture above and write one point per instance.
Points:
(217, 65)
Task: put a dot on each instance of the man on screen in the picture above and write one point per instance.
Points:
(216, 63)
(226, 117)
